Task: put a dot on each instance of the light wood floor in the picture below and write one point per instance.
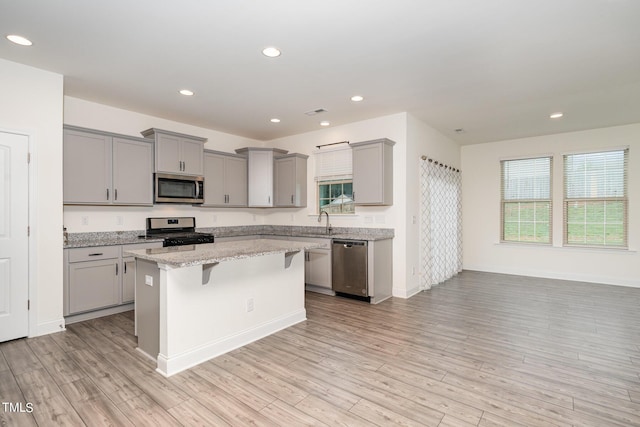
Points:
(479, 350)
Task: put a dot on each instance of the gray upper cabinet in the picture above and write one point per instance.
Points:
(132, 172)
(102, 168)
(177, 153)
(290, 175)
(373, 172)
(225, 177)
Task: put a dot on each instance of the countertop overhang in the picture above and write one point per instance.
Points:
(211, 253)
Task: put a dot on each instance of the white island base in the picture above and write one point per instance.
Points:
(190, 314)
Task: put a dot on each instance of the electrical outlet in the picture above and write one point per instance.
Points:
(119, 220)
(148, 280)
(380, 219)
(368, 219)
(215, 218)
(413, 271)
(413, 219)
(85, 220)
(249, 305)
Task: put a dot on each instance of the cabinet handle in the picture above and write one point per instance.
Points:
(353, 196)
(115, 194)
(292, 199)
(116, 269)
(269, 200)
(96, 254)
(107, 194)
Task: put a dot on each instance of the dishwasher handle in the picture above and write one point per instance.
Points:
(350, 243)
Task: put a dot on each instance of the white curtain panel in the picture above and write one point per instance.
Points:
(440, 223)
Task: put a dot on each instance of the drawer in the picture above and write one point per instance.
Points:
(94, 253)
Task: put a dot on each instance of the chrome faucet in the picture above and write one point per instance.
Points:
(328, 229)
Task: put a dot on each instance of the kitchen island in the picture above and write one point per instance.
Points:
(196, 302)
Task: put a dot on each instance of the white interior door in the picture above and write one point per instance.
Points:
(14, 241)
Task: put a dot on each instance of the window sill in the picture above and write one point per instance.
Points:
(567, 248)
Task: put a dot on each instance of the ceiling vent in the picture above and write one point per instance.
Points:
(316, 111)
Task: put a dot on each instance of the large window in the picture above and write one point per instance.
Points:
(334, 180)
(526, 200)
(595, 199)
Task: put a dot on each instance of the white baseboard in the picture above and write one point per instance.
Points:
(50, 327)
(98, 313)
(576, 277)
(406, 293)
(178, 363)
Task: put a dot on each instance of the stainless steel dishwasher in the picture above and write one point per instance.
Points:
(349, 264)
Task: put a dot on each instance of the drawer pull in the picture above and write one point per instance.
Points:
(96, 254)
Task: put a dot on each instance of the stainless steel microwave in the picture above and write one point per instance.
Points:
(170, 188)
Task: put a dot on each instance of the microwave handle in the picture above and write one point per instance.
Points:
(197, 190)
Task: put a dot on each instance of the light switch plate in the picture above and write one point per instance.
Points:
(148, 280)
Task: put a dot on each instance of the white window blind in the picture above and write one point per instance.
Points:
(333, 164)
(595, 199)
(526, 200)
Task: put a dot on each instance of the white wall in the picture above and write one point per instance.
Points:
(31, 103)
(87, 114)
(481, 211)
(421, 140)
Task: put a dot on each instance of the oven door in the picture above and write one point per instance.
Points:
(171, 188)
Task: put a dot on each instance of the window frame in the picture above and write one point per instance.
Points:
(330, 182)
(504, 202)
(333, 165)
(624, 199)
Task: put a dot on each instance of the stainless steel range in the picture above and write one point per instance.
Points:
(176, 231)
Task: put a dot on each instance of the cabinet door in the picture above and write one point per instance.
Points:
(260, 178)
(235, 179)
(367, 174)
(285, 181)
(132, 172)
(93, 285)
(128, 279)
(214, 191)
(191, 154)
(318, 268)
(87, 168)
(168, 154)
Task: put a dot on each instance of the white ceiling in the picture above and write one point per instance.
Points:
(496, 68)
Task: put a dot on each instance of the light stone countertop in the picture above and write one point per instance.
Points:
(190, 255)
(108, 238)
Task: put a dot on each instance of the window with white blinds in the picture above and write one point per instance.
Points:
(595, 199)
(526, 200)
(334, 179)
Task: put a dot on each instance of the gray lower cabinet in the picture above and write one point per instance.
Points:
(102, 168)
(225, 177)
(99, 277)
(318, 268)
(94, 278)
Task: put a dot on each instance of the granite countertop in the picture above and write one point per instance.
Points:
(109, 238)
(209, 253)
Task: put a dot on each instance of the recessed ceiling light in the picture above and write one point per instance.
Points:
(556, 115)
(275, 120)
(19, 40)
(324, 123)
(186, 92)
(356, 98)
(271, 52)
